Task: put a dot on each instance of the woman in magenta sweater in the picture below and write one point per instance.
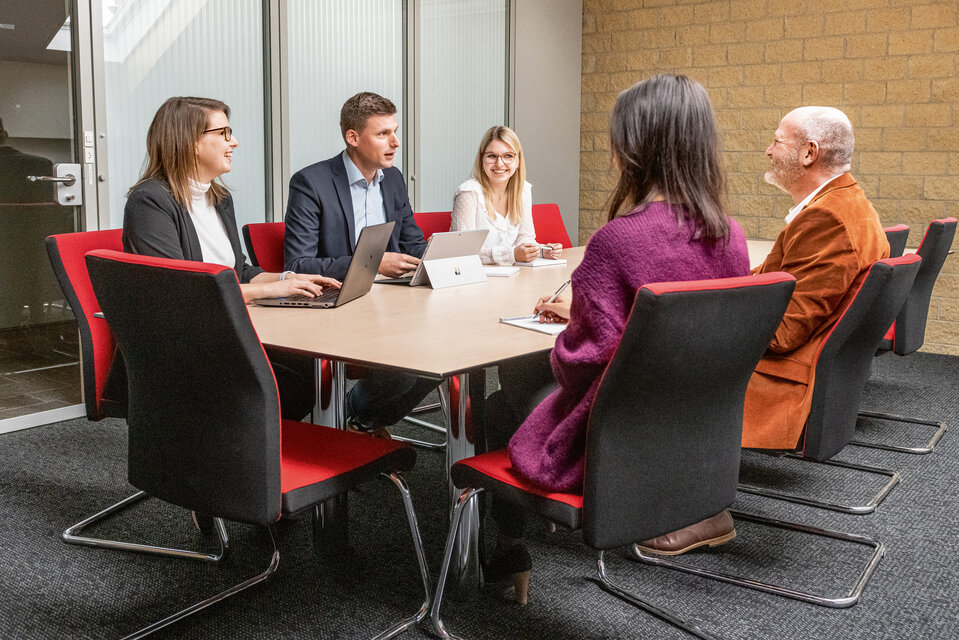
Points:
(666, 222)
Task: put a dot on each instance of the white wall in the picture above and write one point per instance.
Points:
(548, 70)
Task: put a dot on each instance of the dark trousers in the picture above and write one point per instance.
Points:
(382, 397)
(295, 380)
(524, 383)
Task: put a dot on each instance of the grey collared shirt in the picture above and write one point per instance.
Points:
(368, 207)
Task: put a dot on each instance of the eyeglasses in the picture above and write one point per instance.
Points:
(491, 158)
(226, 131)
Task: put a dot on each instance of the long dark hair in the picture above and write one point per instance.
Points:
(171, 146)
(664, 137)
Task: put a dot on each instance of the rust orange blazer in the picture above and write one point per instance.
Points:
(828, 247)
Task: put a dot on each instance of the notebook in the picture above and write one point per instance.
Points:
(532, 323)
(367, 255)
(450, 244)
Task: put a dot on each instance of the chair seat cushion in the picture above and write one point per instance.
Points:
(494, 472)
(318, 462)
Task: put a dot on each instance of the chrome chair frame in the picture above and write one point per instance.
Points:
(856, 509)
(835, 602)
(71, 536)
(919, 450)
(465, 497)
(443, 404)
(394, 630)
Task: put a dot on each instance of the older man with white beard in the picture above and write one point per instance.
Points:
(831, 238)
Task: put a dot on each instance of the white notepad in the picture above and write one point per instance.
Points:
(542, 262)
(533, 323)
(501, 272)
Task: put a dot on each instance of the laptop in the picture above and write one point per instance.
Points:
(451, 244)
(369, 251)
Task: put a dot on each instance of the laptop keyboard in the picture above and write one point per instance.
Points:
(328, 295)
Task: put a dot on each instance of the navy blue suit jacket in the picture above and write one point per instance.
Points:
(320, 227)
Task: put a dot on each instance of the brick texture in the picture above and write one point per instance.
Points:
(891, 65)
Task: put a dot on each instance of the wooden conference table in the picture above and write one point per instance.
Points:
(447, 334)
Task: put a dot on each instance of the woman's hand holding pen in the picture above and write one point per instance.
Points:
(553, 310)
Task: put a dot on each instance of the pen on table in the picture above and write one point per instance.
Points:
(553, 297)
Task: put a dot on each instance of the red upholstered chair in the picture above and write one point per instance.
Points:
(264, 243)
(433, 222)
(549, 225)
(908, 332)
(663, 441)
(897, 235)
(205, 426)
(104, 389)
(842, 369)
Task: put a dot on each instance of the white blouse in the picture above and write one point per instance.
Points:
(469, 213)
(214, 243)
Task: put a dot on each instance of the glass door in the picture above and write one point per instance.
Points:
(40, 193)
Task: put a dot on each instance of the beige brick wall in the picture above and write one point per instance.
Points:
(891, 65)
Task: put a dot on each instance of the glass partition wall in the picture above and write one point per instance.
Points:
(155, 49)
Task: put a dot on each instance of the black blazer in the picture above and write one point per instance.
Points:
(320, 229)
(154, 224)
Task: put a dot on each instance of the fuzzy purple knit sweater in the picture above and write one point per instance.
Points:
(640, 248)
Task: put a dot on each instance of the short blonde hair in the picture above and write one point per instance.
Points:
(514, 188)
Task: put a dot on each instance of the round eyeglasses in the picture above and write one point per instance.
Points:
(226, 131)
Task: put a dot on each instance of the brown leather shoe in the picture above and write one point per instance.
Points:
(712, 531)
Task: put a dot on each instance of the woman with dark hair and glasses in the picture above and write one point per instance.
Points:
(666, 222)
(180, 209)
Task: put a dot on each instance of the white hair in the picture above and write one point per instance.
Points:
(831, 129)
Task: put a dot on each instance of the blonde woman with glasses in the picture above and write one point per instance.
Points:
(498, 198)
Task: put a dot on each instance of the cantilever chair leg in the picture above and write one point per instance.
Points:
(440, 627)
(260, 577)
(927, 448)
(406, 623)
(442, 404)
(894, 478)
(660, 612)
(71, 536)
(836, 602)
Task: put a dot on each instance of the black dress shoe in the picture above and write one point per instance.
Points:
(514, 563)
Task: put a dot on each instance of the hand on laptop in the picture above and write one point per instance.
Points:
(394, 265)
(323, 281)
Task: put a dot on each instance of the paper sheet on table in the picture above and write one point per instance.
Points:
(533, 323)
(494, 272)
(541, 262)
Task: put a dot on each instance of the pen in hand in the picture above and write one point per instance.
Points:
(553, 297)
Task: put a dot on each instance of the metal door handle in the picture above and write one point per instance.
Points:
(67, 180)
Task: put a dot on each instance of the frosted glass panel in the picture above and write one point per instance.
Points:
(463, 51)
(155, 49)
(338, 48)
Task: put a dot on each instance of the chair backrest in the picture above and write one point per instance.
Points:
(431, 222)
(549, 225)
(897, 236)
(910, 329)
(204, 411)
(97, 347)
(264, 243)
(845, 357)
(665, 430)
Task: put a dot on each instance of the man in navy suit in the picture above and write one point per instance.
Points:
(330, 202)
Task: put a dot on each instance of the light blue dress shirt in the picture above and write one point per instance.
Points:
(367, 197)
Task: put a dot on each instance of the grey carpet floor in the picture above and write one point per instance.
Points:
(53, 476)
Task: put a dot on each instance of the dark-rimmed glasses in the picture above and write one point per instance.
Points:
(226, 131)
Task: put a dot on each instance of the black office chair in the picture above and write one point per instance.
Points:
(665, 428)
(204, 414)
(842, 368)
(908, 332)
